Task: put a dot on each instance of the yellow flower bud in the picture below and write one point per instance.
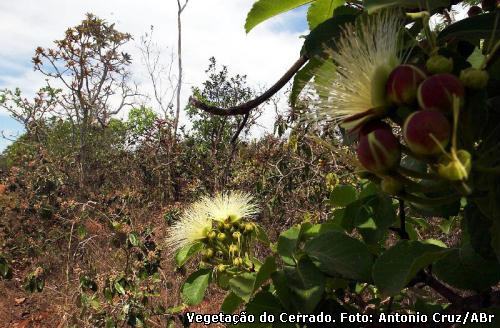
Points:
(455, 169)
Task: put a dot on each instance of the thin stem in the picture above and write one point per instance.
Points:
(443, 290)
(402, 221)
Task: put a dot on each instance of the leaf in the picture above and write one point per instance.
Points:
(133, 239)
(265, 272)
(282, 289)
(303, 76)
(321, 10)
(186, 252)
(287, 243)
(307, 285)
(478, 228)
(325, 35)
(462, 267)
(263, 301)
(342, 195)
(375, 5)
(242, 285)
(119, 288)
(379, 215)
(231, 303)
(193, 289)
(337, 253)
(398, 265)
(265, 9)
(471, 29)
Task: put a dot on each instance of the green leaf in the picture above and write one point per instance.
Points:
(186, 252)
(337, 253)
(265, 9)
(287, 243)
(282, 288)
(265, 272)
(379, 215)
(398, 265)
(307, 285)
(303, 76)
(462, 267)
(231, 303)
(342, 195)
(478, 228)
(243, 284)
(119, 288)
(263, 301)
(471, 29)
(321, 10)
(193, 289)
(133, 239)
(375, 5)
(325, 36)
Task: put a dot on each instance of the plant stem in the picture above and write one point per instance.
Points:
(402, 221)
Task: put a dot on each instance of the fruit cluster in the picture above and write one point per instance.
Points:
(426, 104)
(227, 245)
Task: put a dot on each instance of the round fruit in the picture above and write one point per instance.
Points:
(402, 84)
(474, 78)
(420, 128)
(437, 92)
(379, 151)
(439, 64)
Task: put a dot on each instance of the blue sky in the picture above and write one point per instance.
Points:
(263, 54)
(10, 128)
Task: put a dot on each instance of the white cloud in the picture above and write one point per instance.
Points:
(210, 28)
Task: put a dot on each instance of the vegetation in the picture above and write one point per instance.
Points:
(376, 194)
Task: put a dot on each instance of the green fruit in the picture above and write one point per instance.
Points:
(391, 186)
(474, 78)
(439, 64)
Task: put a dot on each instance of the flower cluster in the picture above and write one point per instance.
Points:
(376, 89)
(222, 224)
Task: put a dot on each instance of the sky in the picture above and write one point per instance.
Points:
(210, 28)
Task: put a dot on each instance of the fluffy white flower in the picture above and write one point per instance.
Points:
(232, 205)
(196, 221)
(193, 226)
(367, 52)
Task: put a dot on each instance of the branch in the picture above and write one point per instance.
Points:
(248, 106)
(240, 128)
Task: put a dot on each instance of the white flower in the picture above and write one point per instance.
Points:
(197, 220)
(367, 52)
(193, 226)
(232, 205)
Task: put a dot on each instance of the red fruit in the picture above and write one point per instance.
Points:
(402, 84)
(372, 126)
(437, 92)
(474, 11)
(379, 151)
(419, 127)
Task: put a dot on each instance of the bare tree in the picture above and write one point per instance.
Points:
(180, 9)
(159, 69)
